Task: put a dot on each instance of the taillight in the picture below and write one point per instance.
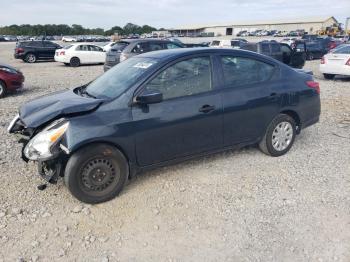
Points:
(314, 85)
(348, 62)
(332, 45)
(19, 50)
(323, 60)
(62, 53)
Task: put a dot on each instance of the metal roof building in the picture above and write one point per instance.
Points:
(310, 25)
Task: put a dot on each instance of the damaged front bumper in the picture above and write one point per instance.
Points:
(51, 166)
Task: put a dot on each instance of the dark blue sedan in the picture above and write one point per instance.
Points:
(163, 107)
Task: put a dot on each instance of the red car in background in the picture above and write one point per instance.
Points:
(11, 79)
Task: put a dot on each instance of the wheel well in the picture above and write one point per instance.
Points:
(295, 116)
(102, 142)
(131, 171)
(3, 82)
(74, 57)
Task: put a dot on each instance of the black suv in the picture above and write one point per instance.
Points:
(127, 48)
(294, 57)
(31, 51)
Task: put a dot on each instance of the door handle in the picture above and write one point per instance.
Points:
(207, 109)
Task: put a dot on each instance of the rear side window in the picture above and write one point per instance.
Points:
(35, 44)
(140, 48)
(275, 48)
(120, 46)
(239, 71)
(343, 50)
(172, 46)
(215, 43)
(285, 49)
(155, 46)
(82, 48)
(95, 48)
(265, 48)
(185, 78)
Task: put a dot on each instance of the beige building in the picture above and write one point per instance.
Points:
(310, 25)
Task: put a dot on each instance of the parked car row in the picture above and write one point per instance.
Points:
(275, 33)
(292, 56)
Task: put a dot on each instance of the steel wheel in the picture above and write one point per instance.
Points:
(282, 136)
(98, 175)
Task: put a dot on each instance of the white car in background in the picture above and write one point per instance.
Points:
(80, 54)
(289, 41)
(221, 44)
(108, 46)
(69, 39)
(336, 63)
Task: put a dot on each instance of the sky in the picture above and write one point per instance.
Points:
(165, 13)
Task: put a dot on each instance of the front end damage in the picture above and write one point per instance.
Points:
(44, 146)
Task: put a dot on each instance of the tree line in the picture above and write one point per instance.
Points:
(63, 29)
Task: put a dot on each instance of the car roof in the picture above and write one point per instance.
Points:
(144, 40)
(180, 52)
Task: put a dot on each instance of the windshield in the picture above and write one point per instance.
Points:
(120, 78)
(67, 47)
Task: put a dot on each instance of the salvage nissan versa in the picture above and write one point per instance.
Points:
(160, 108)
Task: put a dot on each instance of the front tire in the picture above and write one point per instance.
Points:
(279, 136)
(74, 62)
(329, 76)
(96, 173)
(2, 89)
(310, 56)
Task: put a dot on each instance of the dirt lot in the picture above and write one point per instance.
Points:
(234, 206)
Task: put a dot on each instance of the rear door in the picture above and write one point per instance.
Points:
(189, 119)
(49, 49)
(83, 53)
(97, 55)
(251, 97)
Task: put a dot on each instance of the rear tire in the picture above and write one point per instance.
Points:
(96, 173)
(3, 90)
(74, 62)
(30, 58)
(279, 136)
(329, 76)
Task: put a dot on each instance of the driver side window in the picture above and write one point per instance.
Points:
(185, 78)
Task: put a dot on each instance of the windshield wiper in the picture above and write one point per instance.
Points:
(83, 92)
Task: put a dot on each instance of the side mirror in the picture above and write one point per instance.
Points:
(149, 97)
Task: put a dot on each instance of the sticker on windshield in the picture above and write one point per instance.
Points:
(143, 65)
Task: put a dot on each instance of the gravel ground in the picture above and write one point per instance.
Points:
(234, 206)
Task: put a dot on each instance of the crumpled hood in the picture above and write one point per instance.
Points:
(46, 108)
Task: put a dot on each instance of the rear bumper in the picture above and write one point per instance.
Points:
(335, 69)
(310, 122)
(62, 59)
(18, 56)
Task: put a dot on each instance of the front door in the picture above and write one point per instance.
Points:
(189, 119)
